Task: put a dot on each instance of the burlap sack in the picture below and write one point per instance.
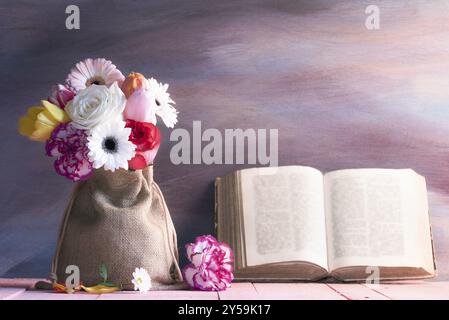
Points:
(119, 219)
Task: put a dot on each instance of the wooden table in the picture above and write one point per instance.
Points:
(22, 289)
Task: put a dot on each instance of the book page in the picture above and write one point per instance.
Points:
(283, 215)
(377, 217)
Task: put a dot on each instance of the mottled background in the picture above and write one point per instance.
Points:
(340, 95)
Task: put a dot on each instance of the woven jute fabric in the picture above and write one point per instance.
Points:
(119, 219)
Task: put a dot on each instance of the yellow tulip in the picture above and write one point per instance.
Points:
(39, 122)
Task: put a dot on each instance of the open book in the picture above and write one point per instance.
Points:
(297, 223)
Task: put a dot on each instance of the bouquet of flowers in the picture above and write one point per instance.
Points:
(100, 119)
(117, 219)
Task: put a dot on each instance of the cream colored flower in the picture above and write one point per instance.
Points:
(95, 105)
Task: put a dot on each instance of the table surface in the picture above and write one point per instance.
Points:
(22, 289)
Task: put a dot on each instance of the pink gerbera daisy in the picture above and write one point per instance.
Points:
(94, 71)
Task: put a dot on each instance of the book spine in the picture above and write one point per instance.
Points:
(216, 209)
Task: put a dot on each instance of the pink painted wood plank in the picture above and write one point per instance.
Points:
(48, 295)
(356, 291)
(239, 291)
(409, 291)
(18, 282)
(161, 295)
(9, 293)
(296, 291)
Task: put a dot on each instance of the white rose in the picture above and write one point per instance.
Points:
(96, 104)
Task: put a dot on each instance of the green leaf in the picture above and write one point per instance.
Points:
(104, 272)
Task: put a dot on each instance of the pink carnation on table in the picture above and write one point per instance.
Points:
(61, 95)
(211, 264)
(69, 146)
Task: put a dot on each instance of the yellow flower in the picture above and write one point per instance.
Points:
(39, 122)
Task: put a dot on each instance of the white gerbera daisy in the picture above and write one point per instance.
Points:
(162, 102)
(94, 71)
(141, 280)
(109, 146)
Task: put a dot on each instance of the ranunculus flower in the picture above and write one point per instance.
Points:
(140, 107)
(61, 95)
(147, 139)
(144, 135)
(39, 122)
(133, 82)
(211, 264)
(96, 104)
(69, 146)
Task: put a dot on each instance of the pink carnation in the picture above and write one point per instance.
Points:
(69, 145)
(211, 264)
(61, 95)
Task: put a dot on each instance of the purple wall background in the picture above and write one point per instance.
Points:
(340, 95)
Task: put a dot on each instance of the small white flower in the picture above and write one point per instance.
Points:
(141, 280)
(95, 105)
(161, 102)
(94, 71)
(109, 146)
